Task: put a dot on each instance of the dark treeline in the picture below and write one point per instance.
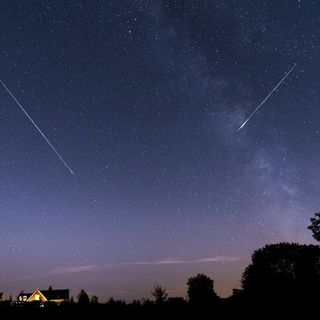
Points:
(282, 279)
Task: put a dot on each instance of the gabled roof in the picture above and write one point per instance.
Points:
(56, 294)
(62, 294)
(43, 298)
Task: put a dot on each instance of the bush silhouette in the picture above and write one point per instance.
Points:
(315, 226)
(160, 294)
(283, 271)
(200, 289)
(83, 297)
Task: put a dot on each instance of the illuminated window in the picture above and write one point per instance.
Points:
(37, 297)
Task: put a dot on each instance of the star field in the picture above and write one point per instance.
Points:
(143, 100)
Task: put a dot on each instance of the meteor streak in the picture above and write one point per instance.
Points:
(35, 125)
(266, 98)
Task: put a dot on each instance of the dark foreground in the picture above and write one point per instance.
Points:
(224, 309)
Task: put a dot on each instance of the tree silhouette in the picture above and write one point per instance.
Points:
(94, 299)
(83, 297)
(315, 226)
(200, 289)
(160, 294)
(283, 271)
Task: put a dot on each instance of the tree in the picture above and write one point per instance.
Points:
(283, 271)
(94, 299)
(160, 294)
(83, 297)
(200, 289)
(315, 226)
(113, 302)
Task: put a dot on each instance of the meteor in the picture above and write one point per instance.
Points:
(35, 125)
(266, 98)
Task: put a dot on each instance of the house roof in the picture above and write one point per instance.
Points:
(36, 295)
(56, 294)
(62, 294)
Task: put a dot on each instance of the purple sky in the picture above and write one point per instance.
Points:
(143, 99)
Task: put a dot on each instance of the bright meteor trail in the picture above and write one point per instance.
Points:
(43, 135)
(266, 98)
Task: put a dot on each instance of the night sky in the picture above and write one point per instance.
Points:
(143, 100)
